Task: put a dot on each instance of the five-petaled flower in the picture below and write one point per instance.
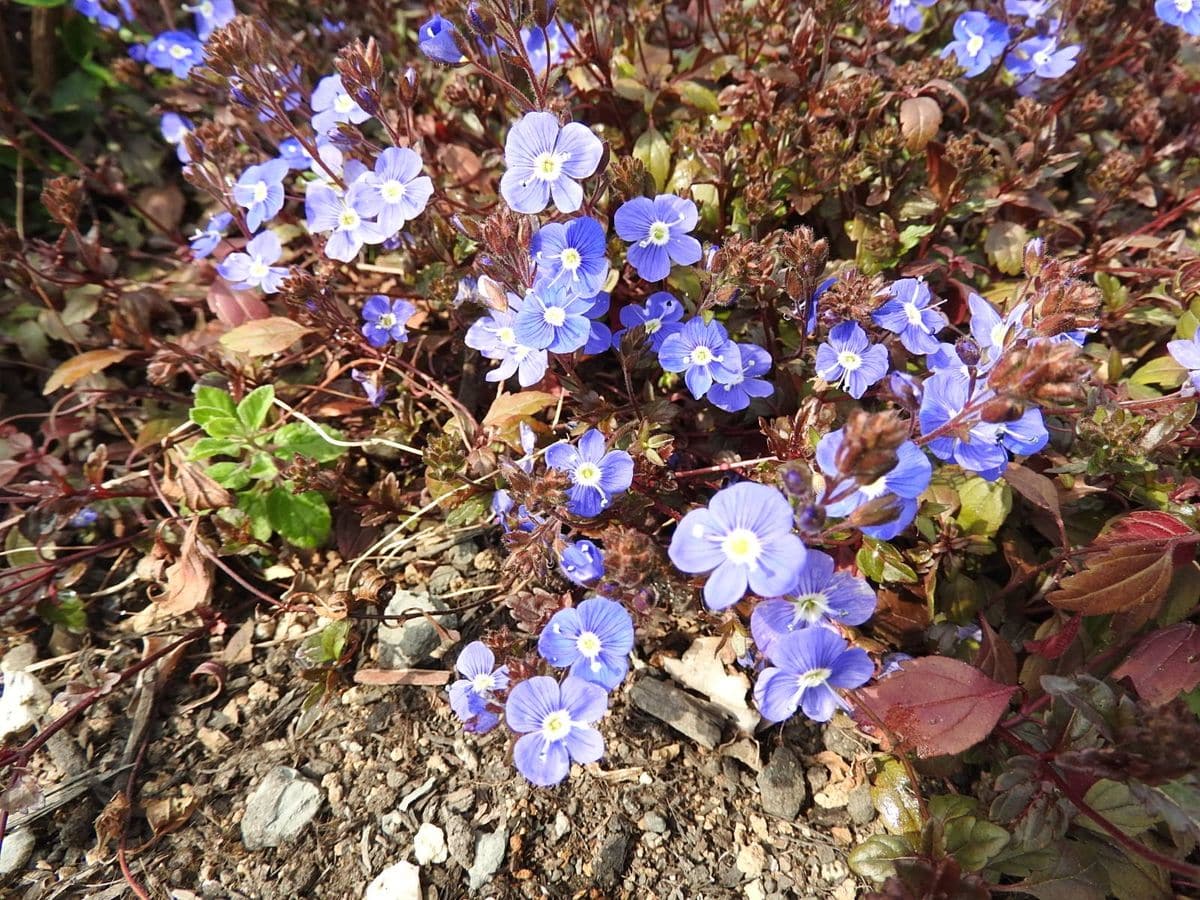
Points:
(472, 695)
(704, 353)
(554, 318)
(850, 361)
(546, 161)
(597, 474)
(555, 723)
(178, 51)
(742, 539)
(259, 191)
(384, 320)
(253, 269)
(345, 216)
(1040, 57)
(909, 313)
(808, 665)
(659, 234)
(659, 316)
(593, 638)
(572, 255)
(821, 595)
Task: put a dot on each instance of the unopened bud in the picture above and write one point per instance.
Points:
(1001, 409)
(543, 12)
(482, 21)
(968, 351)
(797, 479)
(875, 512)
(406, 87)
(811, 519)
(1035, 250)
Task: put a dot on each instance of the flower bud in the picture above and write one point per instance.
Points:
(811, 519)
(968, 351)
(482, 21)
(1001, 409)
(1035, 250)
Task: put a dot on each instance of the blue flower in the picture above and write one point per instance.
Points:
(402, 191)
(704, 353)
(993, 332)
(910, 315)
(554, 721)
(572, 254)
(734, 396)
(849, 361)
(1033, 10)
(253, 269)
(294, 154)
(821, 595)
(1182, 13)
(1187, 354)
(596, 473)
(660, 316)
(205, 241)
(906, 480)
(593, 638)
(472, 695)
(600, 337)
(548, 49)
(814, 302)
(175, 128)
(742, 539)
(178, 51)
(582, 562)
(658, 232)
(97, 13)
(332, 105)
(978, 41)
(343, 215)
(495, 337)
(907, 14)
(438, 39)
(84, 518)
(975, 445)
(546, 161)
(553, 318)
(809, 664)
(211, 15)
(384, 320)
(372, 385)
(260, 191)
(1041, 57)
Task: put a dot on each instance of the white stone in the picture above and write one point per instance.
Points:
(22, 703)
(401, 881)
(429, 845)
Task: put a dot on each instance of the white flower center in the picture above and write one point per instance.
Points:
(555, 316)
(387, 320)
(998, 333)
(974, 45)
(570, 259)
(482, 683)
(258, 270)
(205, 9)
(701, 356)
(392, 191)
(258, 193)
(178, 51)
(1041, 58)
(343, 103)
(1184, 6)
(912, 312)
(814, 677)
(588, 644)
(587, 474)
(811, 607)
(652, 325)
(557, 725)
(849, 360)
(548, 166)
(741, 546)
(349, 219)
(876, 488)
(506, 335)
(659, 234)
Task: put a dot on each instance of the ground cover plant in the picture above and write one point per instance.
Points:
(860, 335)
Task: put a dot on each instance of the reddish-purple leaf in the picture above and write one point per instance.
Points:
(995, 658)
(1165, 664)
(1116, 579)
(1057, 644)
(1158, 528)
(936, 705)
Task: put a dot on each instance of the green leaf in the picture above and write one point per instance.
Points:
(1005, 247)
(1117, 803)
(472, 510)
(301, 439)
(894, 798)
(1075, 874)
(875, 858)
(1163, 371)
(985, 506)
(699, 96)
(232, 475)
(881, 562)
(262, 467)
(42, 4)
(66, 611)
(253, 409)
(254, 505)
(214, 446)
(655, 154)
(303, 519)
(214, 411)
(326, 646)
(911, 235)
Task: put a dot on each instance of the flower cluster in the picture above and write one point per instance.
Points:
(980, 41)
